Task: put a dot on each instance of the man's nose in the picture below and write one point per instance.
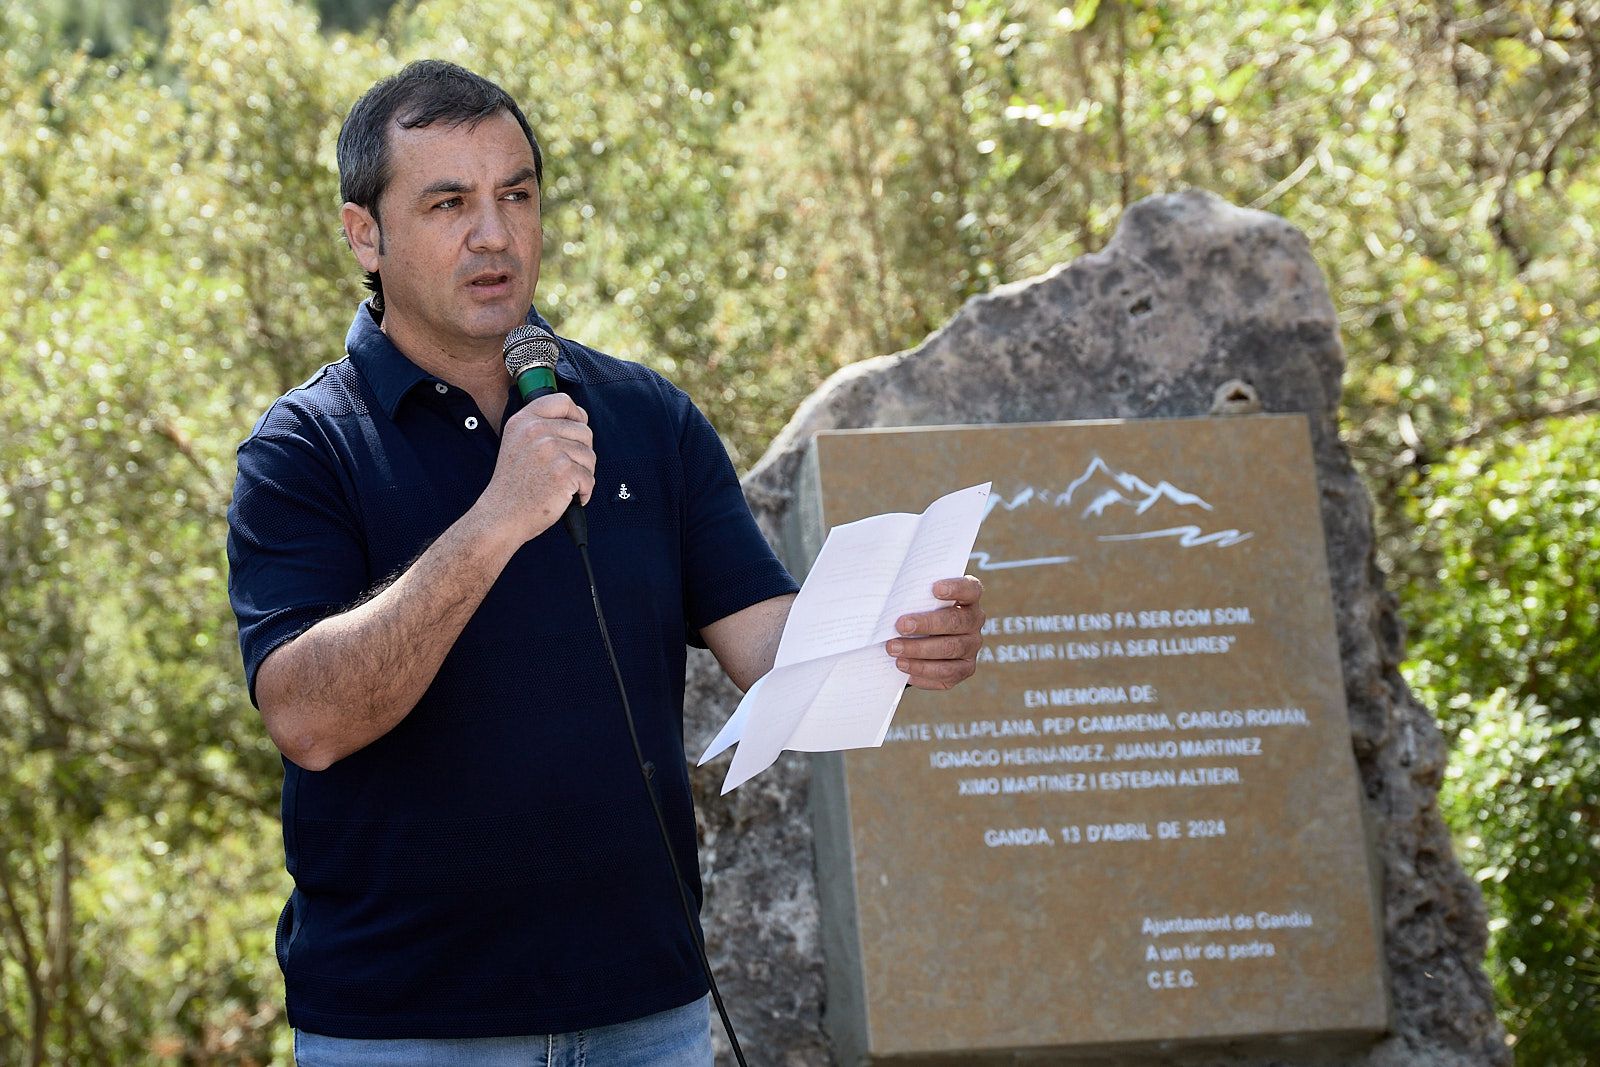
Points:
(490, 231)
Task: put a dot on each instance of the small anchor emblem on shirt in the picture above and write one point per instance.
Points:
(623, 494)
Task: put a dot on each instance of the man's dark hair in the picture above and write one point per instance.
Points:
(425, 92)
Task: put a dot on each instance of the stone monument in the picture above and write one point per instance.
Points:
(1195, 307)
(1140, 822)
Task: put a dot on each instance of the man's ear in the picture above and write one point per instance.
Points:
(361, 231)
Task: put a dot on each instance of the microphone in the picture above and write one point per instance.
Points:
(531, 353)
(531, 358)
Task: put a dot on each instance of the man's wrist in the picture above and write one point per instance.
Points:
(488, 536)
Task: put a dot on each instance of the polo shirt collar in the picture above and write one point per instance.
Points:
(392, 375)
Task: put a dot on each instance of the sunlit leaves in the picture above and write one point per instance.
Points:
(1507, 646)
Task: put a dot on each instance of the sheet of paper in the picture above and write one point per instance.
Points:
(833, 686)
(844, 595)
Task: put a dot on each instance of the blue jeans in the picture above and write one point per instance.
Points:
(678, 1037)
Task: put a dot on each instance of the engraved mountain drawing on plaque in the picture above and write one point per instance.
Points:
(1109, 501)
(1104, 488)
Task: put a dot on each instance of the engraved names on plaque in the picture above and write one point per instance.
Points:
(1139, 823)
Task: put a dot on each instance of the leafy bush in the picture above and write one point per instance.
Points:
(1507, 645)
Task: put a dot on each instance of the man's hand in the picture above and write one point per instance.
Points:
(939, 649)
(546, 458)
(352, 677)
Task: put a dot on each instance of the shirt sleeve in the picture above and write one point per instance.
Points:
(295, 552)
(727, 563)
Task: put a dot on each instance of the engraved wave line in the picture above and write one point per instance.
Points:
(1188, 536)
(986, 564)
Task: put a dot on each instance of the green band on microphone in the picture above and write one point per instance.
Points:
(533, 379)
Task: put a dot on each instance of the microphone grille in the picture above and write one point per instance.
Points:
(530, 346)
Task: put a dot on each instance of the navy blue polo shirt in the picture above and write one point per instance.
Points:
(491, 866)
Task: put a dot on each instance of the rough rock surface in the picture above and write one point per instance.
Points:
(1191, 295)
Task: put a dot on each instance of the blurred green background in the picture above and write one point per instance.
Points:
(748, 196)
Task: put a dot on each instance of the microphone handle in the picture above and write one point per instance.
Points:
(574, 519)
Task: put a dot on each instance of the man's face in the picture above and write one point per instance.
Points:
(460, 234)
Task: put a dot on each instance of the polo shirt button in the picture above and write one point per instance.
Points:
(440, 387)
(472, 422)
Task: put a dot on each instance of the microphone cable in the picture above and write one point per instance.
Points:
(577, 526)
(531, 354)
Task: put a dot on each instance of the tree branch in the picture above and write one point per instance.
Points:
(154, 755)
(1294, 178)
(59, 936)
(1578, 403)
(1119, 108)
(168, 428)
(37, 995)
(1419, 453)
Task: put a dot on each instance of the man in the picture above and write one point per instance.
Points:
(478, 874)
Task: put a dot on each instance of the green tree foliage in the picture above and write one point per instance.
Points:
(747, 197)
(100, 27)
(1515, 657)
(136, 797)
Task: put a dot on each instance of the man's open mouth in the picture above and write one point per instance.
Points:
(485, 280)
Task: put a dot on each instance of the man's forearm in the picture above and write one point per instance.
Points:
(746, 642)
(352, 677)
(936, 649)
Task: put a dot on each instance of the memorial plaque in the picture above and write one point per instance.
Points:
(1139, 823)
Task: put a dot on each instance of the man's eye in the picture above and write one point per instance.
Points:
(452, 202)
(517, 194)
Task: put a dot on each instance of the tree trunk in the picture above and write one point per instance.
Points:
(38, 994)
(61, 940)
